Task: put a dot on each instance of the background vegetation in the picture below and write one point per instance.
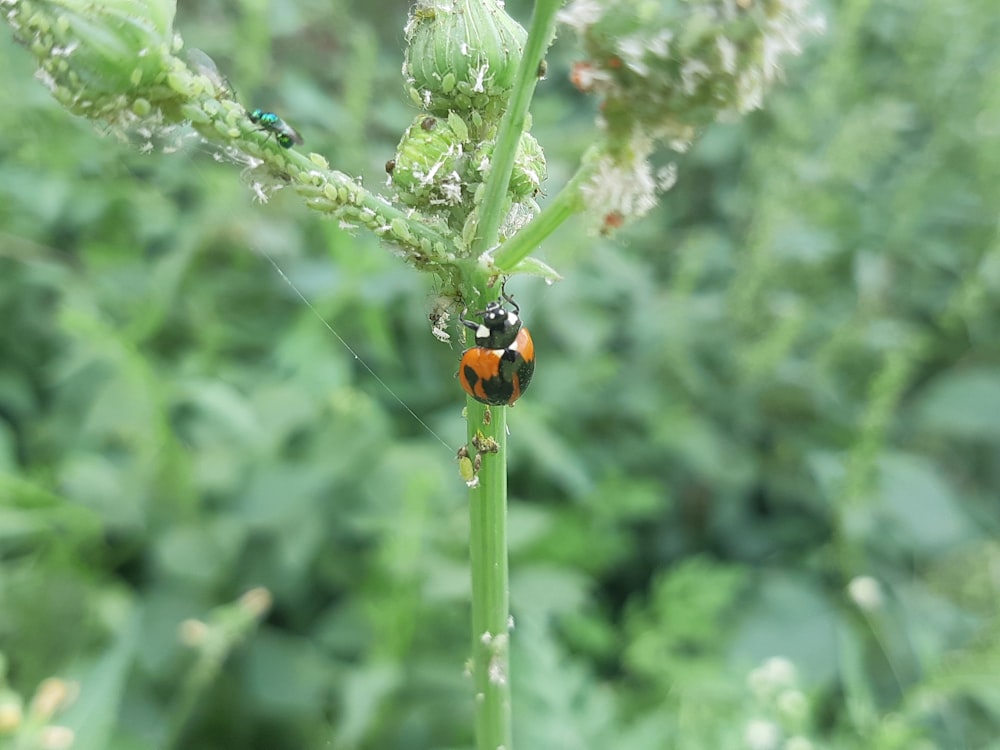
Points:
(755, 482)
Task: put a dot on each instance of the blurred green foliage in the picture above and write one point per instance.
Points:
(765, 422)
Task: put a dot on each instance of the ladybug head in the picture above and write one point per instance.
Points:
(499, 327)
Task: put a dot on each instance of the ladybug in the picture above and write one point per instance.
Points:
(498, 369)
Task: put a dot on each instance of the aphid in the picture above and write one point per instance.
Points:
(284, 133)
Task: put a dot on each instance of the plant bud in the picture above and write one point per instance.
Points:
(529, 167)
(95, 55)
(462, 55)
(667, 69)
(429, 164)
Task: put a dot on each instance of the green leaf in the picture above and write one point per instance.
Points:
(789, 616)
(920, 503)
(94, 716)
(364, 692)
(963, 404)
(286, 675)
(535, 267)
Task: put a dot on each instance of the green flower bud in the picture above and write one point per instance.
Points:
(668, 68)
(430, 163)
(529, 167)
(98, 58)
(462, 55)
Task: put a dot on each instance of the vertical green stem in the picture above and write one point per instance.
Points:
(488, 501)
(490, 587)
(540, 33)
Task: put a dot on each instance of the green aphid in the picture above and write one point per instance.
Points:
(284, 133)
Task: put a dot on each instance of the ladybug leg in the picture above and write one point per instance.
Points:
(467, 323)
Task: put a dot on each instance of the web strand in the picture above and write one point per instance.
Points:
(348, 347)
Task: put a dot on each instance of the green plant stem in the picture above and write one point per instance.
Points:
(490, 587)
(488, 501)
(332, 192)
(228, 626)
(566, 202)
(494, 204)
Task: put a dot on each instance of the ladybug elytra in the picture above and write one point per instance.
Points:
(498, 369)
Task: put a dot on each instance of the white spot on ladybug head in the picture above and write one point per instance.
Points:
(482, 332)
(512, 319)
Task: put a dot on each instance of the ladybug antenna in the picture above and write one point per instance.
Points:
(508, 297)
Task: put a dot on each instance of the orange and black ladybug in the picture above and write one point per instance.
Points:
(498, 369)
